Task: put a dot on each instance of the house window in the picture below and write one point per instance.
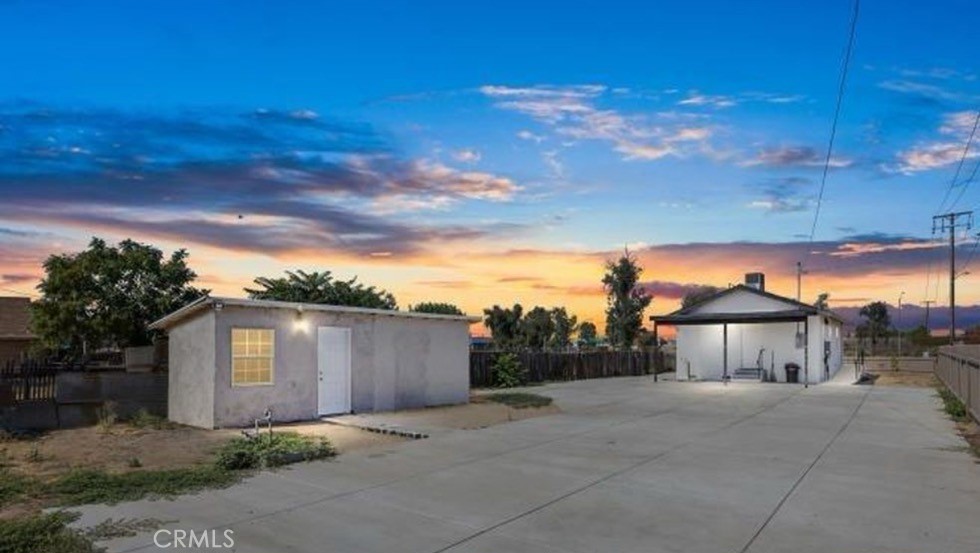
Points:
(252, 354)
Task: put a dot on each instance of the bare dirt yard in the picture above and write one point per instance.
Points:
(906, 378)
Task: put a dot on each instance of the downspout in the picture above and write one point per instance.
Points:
(724, 357)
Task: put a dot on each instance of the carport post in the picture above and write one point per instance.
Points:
(724, 356)
(806, 352)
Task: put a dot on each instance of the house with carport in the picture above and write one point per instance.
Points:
(746, 332)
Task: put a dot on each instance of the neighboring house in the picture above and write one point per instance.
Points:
(16, 337)
(744, 330)
(230, 359)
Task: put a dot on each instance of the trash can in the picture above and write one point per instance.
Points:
(792, 373)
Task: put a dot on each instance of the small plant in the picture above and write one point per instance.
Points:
(12, 486)
(271, 450)
(48, 532)
(107, 416)
(519, 400)
(145, 419)
(894, 363)
(34, 455)
(953, 406)
(122, 528)
(507, 371)
(134, 463)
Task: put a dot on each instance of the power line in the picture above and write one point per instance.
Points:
(833, 128)
(959, 167)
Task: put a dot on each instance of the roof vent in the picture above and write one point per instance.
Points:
(756, 280)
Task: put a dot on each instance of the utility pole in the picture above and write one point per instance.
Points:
(950, 222)
(799, 278)
(928, 303)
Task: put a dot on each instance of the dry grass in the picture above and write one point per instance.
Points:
(906, 379)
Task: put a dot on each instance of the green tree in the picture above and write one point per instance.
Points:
(877, 321)
(504, 325)
(698, 294)
(538, 328)
(317, 287)
(565, 326)
(106, 296)
(625, 300)
(587, 335)
(438, 308)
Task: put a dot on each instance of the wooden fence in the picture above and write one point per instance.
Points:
(958, 367)
(29, 380)
(543, 366)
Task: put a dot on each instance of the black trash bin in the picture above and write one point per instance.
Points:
(792, 373)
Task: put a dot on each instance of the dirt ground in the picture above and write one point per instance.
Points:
(905, 378)
(60, 451)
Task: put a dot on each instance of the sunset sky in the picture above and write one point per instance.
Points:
(496, 153)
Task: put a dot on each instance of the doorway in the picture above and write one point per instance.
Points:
(333, 360)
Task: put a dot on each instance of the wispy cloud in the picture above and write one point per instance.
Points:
(925, 156)
(695, 98)
(793, 156)
(269, 181)
(467, 155)
(783, 195)
(573, 112)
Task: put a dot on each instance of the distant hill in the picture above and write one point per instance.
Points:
(915, 315)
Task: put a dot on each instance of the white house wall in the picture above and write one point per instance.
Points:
(702, 347)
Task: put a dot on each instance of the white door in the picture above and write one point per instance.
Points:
(333, 369)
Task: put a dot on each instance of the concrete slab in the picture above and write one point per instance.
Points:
(629, 465)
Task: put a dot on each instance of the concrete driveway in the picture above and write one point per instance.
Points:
(630, 465)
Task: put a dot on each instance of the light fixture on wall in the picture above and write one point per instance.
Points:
(300, 324)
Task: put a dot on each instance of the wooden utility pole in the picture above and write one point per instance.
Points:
(799, 278)
(950, 222)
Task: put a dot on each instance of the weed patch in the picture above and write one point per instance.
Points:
(95, 486)
(272, 450)
(48, 533)
(520, 400)
(953, 406)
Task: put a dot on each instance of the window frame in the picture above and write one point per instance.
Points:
(271, 357)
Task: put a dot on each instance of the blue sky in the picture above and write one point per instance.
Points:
(419, 143)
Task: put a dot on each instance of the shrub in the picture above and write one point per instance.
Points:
(519, 400)
(48, 533)
(107, 416)
(271, 450)
(507, 371)
(12, 486)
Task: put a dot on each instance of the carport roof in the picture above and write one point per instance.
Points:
(205, 302)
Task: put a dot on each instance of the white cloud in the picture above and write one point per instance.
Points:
(467, 155)
(956, 128)
(694, 98)
(528, 135)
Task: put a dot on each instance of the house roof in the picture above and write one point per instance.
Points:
(796, 311)
(15, 318)
(206, 302)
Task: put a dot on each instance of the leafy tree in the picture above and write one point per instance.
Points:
(822, 302)
(877, 321)
(504, 325)
(587, 335)
(317, 287)
(698, 294)
(106, 296)
(538, 328)
(625, 300)
(565, 326)
(436, 307)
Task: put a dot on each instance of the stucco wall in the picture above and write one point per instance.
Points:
(190, 386)
(396, 363)
(702, 346)
(742, 301)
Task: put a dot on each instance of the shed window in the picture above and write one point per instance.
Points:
(252, 354)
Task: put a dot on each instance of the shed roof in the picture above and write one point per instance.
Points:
(204, 302)
(796, 311)
(15, 318)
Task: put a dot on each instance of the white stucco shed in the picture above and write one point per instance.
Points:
(231, 359)
(746, 332)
